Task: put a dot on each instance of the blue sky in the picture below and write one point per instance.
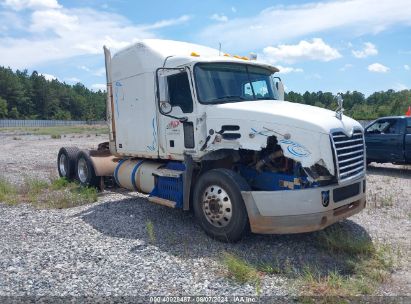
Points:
(332, 46)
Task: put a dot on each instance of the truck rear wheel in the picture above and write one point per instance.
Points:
(66, 162)
(219, 206)
(85, 170)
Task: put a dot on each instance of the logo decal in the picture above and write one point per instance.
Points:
(173, 124)
(295, 148)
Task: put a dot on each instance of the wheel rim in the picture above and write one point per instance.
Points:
(63, 165)
(217, 206)
(82, 170)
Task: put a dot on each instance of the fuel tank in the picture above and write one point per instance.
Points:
(136, 174)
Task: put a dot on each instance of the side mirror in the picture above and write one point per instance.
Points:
(280, 88)
(165, 106)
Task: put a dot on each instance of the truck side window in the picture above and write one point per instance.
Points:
(179, 92)
(383, 127)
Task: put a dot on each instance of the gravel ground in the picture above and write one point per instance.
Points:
(104, 248)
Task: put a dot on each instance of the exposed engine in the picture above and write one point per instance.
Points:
(270, 170)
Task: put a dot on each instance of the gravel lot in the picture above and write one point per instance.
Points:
(104, 248)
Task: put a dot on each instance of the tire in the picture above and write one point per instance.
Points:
(219, 206)
(85, 173)
(66, 162)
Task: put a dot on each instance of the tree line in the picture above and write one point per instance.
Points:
(24, 96)
(356, 105)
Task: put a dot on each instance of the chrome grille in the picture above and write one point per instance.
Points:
(349, 154)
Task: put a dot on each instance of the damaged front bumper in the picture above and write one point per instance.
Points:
(305, 210)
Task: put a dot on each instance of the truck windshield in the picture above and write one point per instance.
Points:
(228, 82)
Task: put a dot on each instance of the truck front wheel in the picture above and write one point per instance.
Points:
(219, 206)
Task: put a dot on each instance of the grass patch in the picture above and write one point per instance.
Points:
(339, 240)
(240, 271)
(367, 265)
(347, 264)
(57, 194)
(8, 192)
(55, 132)
(365, 275)
(150, 231)
(381, 200)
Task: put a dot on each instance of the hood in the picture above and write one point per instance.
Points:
(285, 113)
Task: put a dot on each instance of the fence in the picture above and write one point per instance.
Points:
(11, 123)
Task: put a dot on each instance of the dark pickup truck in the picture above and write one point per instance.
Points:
(388, 140)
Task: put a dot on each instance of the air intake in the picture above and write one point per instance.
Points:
(349, 154)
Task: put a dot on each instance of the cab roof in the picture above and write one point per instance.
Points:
(168, 51)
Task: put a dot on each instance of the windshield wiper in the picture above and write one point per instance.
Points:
(266, 98)
(229, 97)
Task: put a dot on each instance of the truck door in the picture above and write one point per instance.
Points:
(407, 141)
(384, 140)
(177, 125)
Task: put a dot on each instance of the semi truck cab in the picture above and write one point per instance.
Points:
(201, 130)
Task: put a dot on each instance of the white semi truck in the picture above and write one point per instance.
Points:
(200, 130)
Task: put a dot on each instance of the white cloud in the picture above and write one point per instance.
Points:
(10, 21)
(99, 72)
(96, 72)
(400, 87)
(314, 76)
(286, 70)
(219, 18)
(84, 68)
(378, 68)
(99, 86)
(49, 77)
(281, 23)
(317, 49)
(406, 67)
(30, 4)
(72, 79)
(234, 9)
(368, 50)
(166, 23)
(346, 67)
(58, 34)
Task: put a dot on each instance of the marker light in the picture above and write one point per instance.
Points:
(194, 54)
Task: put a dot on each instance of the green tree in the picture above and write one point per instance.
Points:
(14, 113)
(3, 108)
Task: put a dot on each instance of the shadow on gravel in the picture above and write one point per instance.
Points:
(398, 171)
(176, 232)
